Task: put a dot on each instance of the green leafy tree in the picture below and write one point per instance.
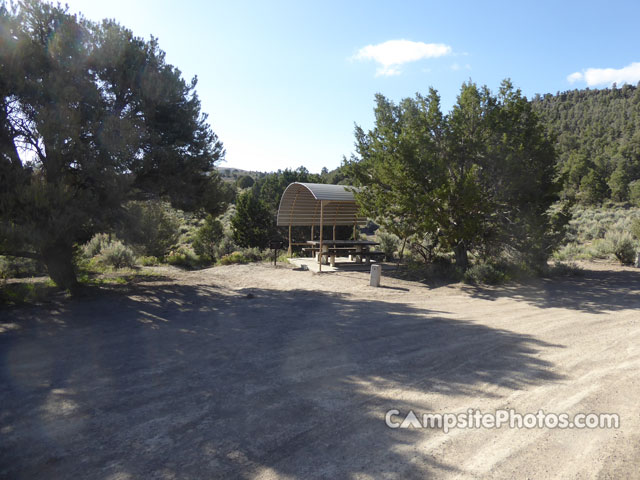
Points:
(521, 180)
(402, 165)
(634, 193)
(245, 181)
(466, 204)
(619, 182)
(208, 237)
(270, 187)
(593, 187)
(252, 223)
(481, 177)
(90, 117)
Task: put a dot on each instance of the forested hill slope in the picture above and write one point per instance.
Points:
(598, 140)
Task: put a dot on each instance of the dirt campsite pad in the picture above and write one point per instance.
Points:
(255, 372)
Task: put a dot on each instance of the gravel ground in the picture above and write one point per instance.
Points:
(255, 372)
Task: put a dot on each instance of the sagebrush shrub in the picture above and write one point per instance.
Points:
(389, 243)
(621, 245)
(152, 227)
(635, 228)
(484, 273)
(117, 255)
(565, 270)
(148, 261)
(182, 257)
(95, 246)
(233, 258)
(16, 267)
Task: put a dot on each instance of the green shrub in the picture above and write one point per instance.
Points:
(18, 267)
(389, 243)
(233, 258)
(95, 246)
(621, 245)
(117, 255)
(148, 261)
(104, 250)
(255, 254)
(635, 228)
(226, 245)
(183, 257)
(442, 269)
(572, 251)
(484, 273)
(26, 292)
(246, 255)
(601, 248)
(152, 227)
(562, 269)
(207, 238)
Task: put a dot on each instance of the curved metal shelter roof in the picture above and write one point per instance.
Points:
(300, 205)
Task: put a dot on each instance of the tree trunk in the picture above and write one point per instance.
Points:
(58, 258)
(404, 243)
(462, 260)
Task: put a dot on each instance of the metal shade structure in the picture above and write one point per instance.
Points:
(311, 204)
(300, 205)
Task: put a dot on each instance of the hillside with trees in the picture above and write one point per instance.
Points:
(597, 140)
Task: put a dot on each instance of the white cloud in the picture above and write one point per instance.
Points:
(606, 76)
(575, 77)
(392, 54)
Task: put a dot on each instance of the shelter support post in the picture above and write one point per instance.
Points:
(321, 223)
(333, 257)
(293, 207)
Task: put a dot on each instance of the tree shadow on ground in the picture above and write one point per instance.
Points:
(197, 382)
(594, 291)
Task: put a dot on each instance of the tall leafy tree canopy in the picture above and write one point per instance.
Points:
(480, 178)
(91, 116)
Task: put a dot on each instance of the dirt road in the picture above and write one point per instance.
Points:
(250, 372)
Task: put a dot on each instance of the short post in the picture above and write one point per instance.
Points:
(376, 271)
(275, 245)
(638, 259)
(324, 257)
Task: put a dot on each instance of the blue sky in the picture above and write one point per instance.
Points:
(284, 82)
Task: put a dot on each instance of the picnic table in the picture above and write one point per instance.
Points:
(358, 249)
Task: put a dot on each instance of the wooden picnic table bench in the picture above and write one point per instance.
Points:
(357, 248)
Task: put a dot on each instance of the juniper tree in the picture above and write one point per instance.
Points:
(90, 117)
